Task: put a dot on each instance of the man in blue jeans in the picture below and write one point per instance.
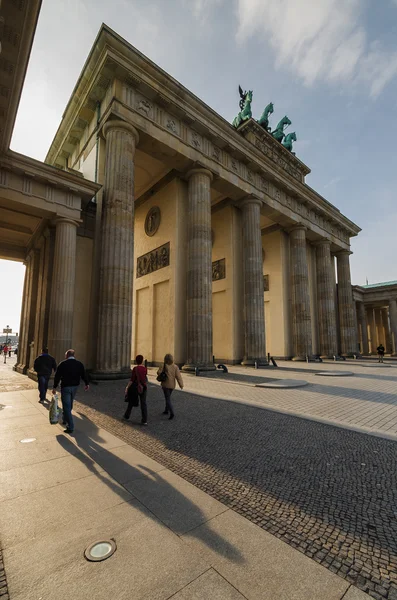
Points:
(44, 365)
(69, 373)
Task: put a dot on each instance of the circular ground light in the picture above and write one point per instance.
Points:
(100, 550)
(27, 440)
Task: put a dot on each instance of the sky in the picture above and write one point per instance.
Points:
(330, 65)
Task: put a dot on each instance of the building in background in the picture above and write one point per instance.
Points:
(376, 306)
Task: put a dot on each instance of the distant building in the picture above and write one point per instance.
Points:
(377, 316)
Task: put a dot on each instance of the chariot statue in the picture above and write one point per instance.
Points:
(245, 107)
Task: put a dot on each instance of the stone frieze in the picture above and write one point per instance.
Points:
(153, 261)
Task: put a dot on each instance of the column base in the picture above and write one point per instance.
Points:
(329, 356)
(191, 368)
(300, 358)
(107, 375)
(22, 369)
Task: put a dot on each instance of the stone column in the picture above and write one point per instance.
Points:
(326, 300)
(23, 334)
(300, 298)
(199, 272)
(379, 327)
(386, 329)
(347, 321)
(362, 317)
(254, 313)
(393, 323)
(117, 253)
(372, 330)
(60, 329)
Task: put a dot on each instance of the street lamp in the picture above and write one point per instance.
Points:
(6, 330)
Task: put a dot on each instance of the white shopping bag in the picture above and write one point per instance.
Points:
(54, 412)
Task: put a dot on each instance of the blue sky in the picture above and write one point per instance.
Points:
(330, 65)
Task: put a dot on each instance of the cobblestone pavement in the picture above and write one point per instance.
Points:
(329, 492)
(366, 401)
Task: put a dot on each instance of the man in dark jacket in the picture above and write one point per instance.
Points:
(381, 352)
(44, 365)
(69, 373)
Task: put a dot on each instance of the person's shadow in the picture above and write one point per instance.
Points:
(172, 506)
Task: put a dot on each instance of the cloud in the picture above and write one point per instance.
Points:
(319, 41)
(201, 8)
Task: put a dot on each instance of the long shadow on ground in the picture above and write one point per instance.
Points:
(329, 492)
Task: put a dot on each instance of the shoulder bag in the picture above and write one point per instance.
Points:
(163, 375)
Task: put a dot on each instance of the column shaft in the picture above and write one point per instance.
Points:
(326, 300)
(379, 327)
(386, 330)
(117, 253)
(372, 330)
(393, 323)
(254, 313)
(199, 272)
(362, 316)
(300, 299)
(347, 320)
(60, 330)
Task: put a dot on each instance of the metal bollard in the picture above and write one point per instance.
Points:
(197, 371)
(256, 365)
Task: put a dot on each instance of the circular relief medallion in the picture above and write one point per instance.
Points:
(152, 221)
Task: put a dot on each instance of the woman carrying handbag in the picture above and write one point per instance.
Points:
(136, 390)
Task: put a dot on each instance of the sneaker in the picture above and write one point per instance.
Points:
(165, 412)
(67, 430)
(171, 417)
(144, 423)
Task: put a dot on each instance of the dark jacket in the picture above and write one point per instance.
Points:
(69, 373)
(45, 364)
(380, 349)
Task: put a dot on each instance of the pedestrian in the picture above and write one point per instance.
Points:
(9, 352)
(5, 351)
(381, 352)
(69, 373)
(16, 351)
(168, 382)
(44, 365)
(1, 348)
(136, 390)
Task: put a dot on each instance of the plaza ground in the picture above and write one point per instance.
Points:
(249, 493)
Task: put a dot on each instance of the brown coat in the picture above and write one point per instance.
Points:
(173, 376)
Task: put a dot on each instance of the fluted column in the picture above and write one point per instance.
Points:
(23, 327)
(254, 314)
(199, 272)
(60, 328)
(300, 298)
(379, 327)
(372, 330)
(326, 300)
(362, 316)
(393, 323)
(117, 253)
(386, 329)
(347, 321)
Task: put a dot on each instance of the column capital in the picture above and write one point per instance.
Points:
(201, 171)
(343, 253)
(323, 242)
(251, 199)
(297, 227)
(73, 222)
(123, 125)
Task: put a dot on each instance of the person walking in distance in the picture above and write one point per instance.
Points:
(44, 365)
(168, 382)
(69, 373)
(136, 389)
(381, 352)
